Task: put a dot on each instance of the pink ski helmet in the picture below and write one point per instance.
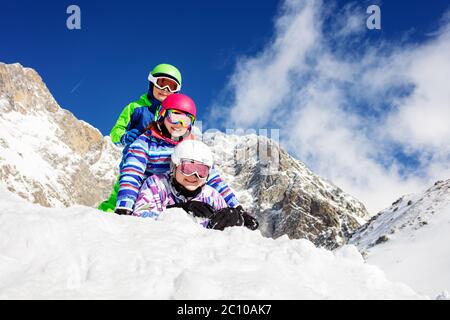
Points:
(179, 102)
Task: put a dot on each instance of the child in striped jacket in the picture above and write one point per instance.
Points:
(150, 153)
(185, 187)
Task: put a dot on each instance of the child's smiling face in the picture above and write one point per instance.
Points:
(175, 130)
(160, 95)
(191, 183)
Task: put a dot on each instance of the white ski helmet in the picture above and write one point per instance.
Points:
(192, 150)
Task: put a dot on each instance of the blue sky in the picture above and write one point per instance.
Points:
(108, 60)
(94, 72)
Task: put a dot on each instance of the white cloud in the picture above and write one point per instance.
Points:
(422, 119)
(346, 112)
(258, 83)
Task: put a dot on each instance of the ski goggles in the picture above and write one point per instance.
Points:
(189, 168)
(177, 117)
(164, 82)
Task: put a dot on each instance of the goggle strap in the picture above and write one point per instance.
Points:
(159, 114)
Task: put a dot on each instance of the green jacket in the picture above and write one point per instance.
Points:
(137, 115)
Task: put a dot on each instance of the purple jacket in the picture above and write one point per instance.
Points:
(157, 193)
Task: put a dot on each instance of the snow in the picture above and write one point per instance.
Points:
(421, 259)
(3, 103)
(25, 143)
(418, 233)
(36, 161)
(81, 253)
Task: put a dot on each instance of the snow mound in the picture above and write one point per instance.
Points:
(81, 253)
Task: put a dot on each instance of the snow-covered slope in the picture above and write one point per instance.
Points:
(47, 156)
(410, 241)
(80, 253)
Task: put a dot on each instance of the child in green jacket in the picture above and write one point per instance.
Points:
(165, 80)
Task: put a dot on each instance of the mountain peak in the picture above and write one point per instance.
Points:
(288, 198)
(48, 156)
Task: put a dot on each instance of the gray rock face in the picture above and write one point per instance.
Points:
(287, 197)
(47, 155)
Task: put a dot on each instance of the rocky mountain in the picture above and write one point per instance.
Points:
(285, 195)
(47, 155)
(410, 239)
(51, 158)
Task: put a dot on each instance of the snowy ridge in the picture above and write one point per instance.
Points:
(80, 253)
(47, 156)
(410, 240)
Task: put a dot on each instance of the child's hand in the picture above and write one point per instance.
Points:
(249, 221)
(122, 212)
(224, 218)
(196, 208)
(130, 136)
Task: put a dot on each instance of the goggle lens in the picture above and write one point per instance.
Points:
(162, 83)
(176, 117)
(191, 168)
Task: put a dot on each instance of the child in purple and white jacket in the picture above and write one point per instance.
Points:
(162, 191)
(185, 187)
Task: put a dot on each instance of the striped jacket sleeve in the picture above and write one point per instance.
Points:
(222, 187)
(212, 197)
(152, 199)
(132, 174)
